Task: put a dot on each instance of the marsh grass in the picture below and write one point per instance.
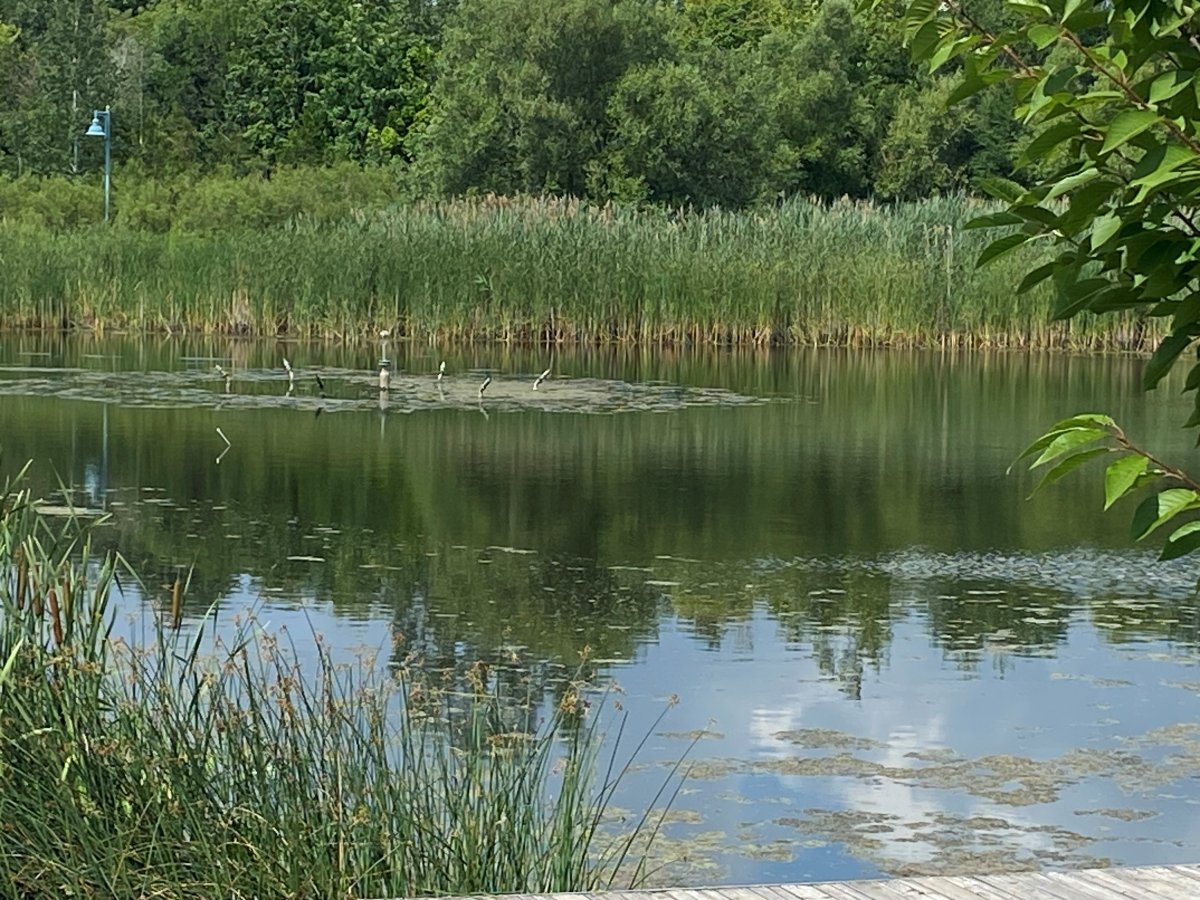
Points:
(558, 271)
(242, 767)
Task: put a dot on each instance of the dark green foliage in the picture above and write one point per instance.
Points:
(1108, 90)
(701, 103)
(523, 89)
(55, 68)
(684, 133)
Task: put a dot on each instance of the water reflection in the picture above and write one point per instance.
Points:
(892, 660)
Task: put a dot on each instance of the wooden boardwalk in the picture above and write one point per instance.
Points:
(1135, 883)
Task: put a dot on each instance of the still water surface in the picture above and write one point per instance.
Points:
(893, 661)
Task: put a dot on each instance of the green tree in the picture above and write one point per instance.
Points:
(730, 24)
(523, 88)
(174, 84)
(1109, 87)
(834, 88)
(687, 134)
(931, 146)
(56, 72)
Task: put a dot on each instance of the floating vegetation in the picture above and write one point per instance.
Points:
(945, 843)
(1079, 572)
(826, 738)
(1123, 815)
(347, 389)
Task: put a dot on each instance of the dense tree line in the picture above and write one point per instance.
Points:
(702, 102)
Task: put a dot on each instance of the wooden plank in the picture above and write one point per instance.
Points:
(1161, 881)
(840, 890)
(1181, 882)
(1121, 883)
(803, 891)
(975, 886)
(876, 889)
(1061, 886)
(1189, 872)
(1185, 875)
(1084, 887)
(780, 892)
(733, 893)
(910, 889)
(933, 886)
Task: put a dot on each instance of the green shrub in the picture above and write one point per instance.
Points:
(196, 767)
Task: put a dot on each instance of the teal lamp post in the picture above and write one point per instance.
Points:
(102, 127)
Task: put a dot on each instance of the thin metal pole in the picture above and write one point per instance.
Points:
(107, 161)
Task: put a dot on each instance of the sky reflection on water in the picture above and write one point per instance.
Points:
(894, 662)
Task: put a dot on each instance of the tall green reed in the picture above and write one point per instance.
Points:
(194, 765)
(546, 270)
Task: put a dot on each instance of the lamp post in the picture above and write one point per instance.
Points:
(102, 127)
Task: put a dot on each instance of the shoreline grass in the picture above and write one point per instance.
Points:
(550, 271)
(242, 769)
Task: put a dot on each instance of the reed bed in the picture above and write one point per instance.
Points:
(192, 767)
(558, 271)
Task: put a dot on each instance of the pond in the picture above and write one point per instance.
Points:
(885, 659)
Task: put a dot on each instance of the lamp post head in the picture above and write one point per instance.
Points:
(96, 129)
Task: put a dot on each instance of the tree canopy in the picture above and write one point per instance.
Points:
(694, 102)
(1109, 90)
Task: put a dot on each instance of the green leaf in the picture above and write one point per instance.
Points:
(925, 39)
(1075, 423)
(1029, 7)
(1036, 277)
(1043, 35)
(1186, 313)
(919, 11)
(1001, 247)
(1079, 296)
(972, 83)
(1161, 508)
(1168, 84)
(1120, 477)
(1048, 139)
(1071, 182)
(1151, 251)
(1183, 540)
(1084, 203)
(1038, 215)
(1069, 465)
(1085, 419)
(1160, 363)
(947, 49)
(1162, 178)
(1126, 125)
(1104, 228)
(1084, 19)
(1002, 189)
(994, 220)
(1067, 442)
(1161, 158)
(1117, 297)
(13, 656)
(1194, 419)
